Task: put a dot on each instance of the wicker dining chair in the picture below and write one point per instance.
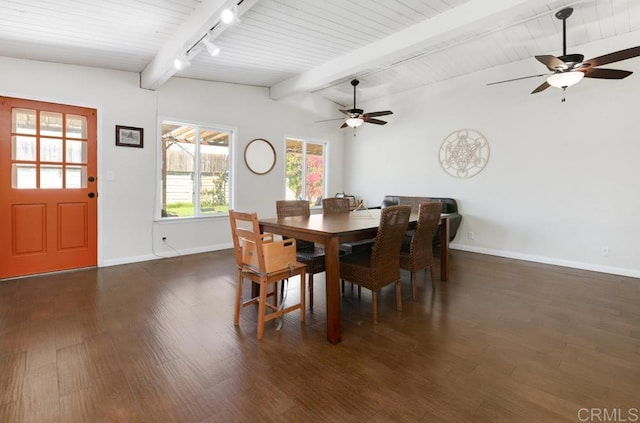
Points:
(417, 252)
(337, 205)
(334, 205)
(306, 252)
(381, 266)
(249, 232)
(342, 205)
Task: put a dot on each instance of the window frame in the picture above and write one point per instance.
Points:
(325, 164)
(233, 131)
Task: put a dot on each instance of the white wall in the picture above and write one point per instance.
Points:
(127, 202)
(560, 184)
(254, 115)
(562, 178)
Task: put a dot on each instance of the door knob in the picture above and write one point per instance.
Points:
(92, 194)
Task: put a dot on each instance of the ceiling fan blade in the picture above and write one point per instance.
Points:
(359, 113)
(328, 120)
(552, 62)
(541, 87)
(606, 73)
(375, 121)
(517, 79)
(376, 114)
(614, 57)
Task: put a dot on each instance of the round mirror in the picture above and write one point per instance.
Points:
(260, 156)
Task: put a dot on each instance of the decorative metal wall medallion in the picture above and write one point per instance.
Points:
(464, 153)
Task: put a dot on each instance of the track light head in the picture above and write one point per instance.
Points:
(181, 63)
(229, 16)
(211, 47)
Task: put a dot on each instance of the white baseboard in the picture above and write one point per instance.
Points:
(634, 273)
(164, 254)
(454, 246)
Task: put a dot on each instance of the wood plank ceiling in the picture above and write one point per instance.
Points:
(310, 45)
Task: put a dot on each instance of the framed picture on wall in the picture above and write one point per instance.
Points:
(129, 136)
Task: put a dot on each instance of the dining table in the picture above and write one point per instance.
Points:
(331, 230)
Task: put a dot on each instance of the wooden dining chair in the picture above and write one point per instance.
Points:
(380, 266)
(306, 252)
(416, 253)
(335, 205)
(254, 267)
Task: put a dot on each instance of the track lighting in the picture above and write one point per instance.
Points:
(229, 15)
(211, 48)
(181, 62)
(175, 56)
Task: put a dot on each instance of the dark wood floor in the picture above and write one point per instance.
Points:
(503, 340)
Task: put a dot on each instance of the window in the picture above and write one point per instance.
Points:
(48, 150)
(195, 170)
(305, 169)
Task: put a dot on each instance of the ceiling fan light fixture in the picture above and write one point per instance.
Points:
(354, 122)
(565, 79)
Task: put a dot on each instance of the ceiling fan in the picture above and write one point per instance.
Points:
(569, 69)
(356, 117)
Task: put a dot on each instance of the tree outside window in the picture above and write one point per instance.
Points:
(304, 178)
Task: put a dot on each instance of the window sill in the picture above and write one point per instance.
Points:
(177, 219)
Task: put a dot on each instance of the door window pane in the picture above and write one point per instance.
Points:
(23, 148)
(76, 176)
(76, 127)
(50, 177)
(51, 124)
(76, 151)
(38, 138)
(50, 150)
(23, 176)
(23, 121)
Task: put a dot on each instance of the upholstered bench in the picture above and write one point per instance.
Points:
(449, 206)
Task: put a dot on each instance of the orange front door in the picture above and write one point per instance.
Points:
(48, 187)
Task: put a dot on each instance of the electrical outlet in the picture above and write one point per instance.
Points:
(164, 239)
(605, 252)
(471, 235)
